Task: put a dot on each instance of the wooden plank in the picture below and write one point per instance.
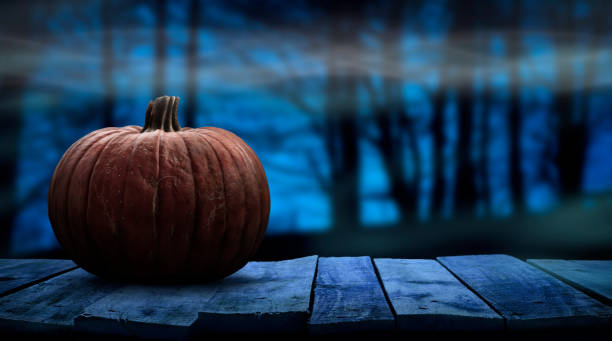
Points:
(526, 296)
(155, 311)
(262, 296)
(52, 304)
(16, 274)
(265, 297)
(425, 296)
(591, 276)
(348, 298)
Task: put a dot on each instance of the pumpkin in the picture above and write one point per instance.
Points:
(160, 202)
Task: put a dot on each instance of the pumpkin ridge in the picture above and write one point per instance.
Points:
(51, 207)
(200, 268)
(261, 187)
(260, 194)
(245, 227)
(244, 201)
(128, 167)
(67, 219)
(155, 251)
(62, 161)
(266, 207)
(262, 181)
(196, 211)
(88, 238)
(174, 197)
(76, 145)
(221, 168)
(255, 193)
(116, 222)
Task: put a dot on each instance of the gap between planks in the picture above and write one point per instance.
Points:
(475, 293)
(349, 298)
(527, 297)
(55, 271)
(427, 297)
(314, 283)
(385, 293)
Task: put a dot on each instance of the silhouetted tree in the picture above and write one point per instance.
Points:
(108, 63)
(161, 15)
(392, 122)
(438, 98)
(572, 101)
(513, 41)
(192, 62)
(18, 29)
(465, 191)
(340, 131)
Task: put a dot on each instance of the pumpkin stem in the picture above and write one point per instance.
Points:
(162, 114)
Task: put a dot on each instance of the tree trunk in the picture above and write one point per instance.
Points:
(439, 100)
(341, 117)
(391, 116)
(16, 23)
(160, 47)
(514, 110)
(192, 63)
(12, 88)
(107, 64)
(465, 187)
(572, 126)
(570, 143)
(465, 192)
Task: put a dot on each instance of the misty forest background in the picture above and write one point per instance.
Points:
(373, 119)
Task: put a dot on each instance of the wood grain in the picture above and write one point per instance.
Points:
(52, 304)
(348, 298)
(426, 296)
(16, 274)
(262, 296)
(162, 311)
(591, 276)
(525, 296)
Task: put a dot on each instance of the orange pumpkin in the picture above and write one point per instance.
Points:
(160, 202)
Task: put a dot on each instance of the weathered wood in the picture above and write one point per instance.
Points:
(262, 296)
(348, 298)
(162, 311)
(591, 276)
(265, 297)
(425, 296)
(52, 304)
(16, 274)
(526, 296)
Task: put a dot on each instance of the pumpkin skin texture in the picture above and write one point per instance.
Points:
(160, 203)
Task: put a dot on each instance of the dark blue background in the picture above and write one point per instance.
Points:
(379, 123)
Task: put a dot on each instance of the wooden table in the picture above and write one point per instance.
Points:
(315, 295)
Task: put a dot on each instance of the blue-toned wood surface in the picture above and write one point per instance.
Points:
(16, 274)
(591, 276)
(262, 296)
(313, 295)
(425, 296)
(526, 296)
(53, 304)
(349, 298)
